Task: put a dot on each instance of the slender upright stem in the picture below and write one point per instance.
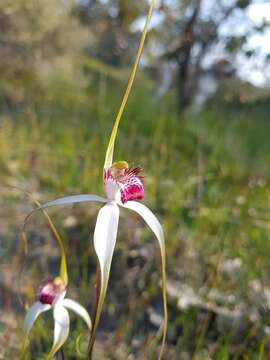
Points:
(62, 354)
(165, 310)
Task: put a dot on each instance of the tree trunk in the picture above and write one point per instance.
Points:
(184, 58)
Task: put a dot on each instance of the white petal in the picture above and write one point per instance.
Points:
(104, 243)
(78, 309)
(156, 227)
(105, 234)
(61, 327)
(35, 310)
(149, 218)
(74, 199)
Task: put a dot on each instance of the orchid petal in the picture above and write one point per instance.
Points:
(35, 310)
(74, 199)
(156, 227)
(104, 243)
(61, 327)
(61, 201)
(105, 234)
(78, 309)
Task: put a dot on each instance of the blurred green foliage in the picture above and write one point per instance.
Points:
(206, 175)
(33, 43)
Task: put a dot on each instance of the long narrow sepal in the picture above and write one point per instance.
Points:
(67, 200)
(73, 199)
(61, 201)
(63, 265)
(156, 227)
(61, 328)
(110, 148)
(78, 309)
(104, 244)
(35, 310)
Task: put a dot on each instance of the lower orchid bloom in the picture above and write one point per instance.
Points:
(52, 296)
(122, 186)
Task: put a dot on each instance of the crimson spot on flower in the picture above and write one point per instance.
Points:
(51, 291)
(123, 183)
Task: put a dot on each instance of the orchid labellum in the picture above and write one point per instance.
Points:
(123, 186)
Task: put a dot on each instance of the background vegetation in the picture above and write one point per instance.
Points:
(63, 68)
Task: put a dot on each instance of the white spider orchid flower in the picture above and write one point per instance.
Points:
(52, 296)
(122, 186)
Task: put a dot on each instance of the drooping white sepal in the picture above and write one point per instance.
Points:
(35, 310)
(78, 309)
(156, 227)
(105, 235)
(104, 244)
(61, 327)
(150, 220)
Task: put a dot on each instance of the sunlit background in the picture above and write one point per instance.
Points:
(197, 122)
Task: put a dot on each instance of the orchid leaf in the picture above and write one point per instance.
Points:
(104, 244)
(156, 227)
(110, 148)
